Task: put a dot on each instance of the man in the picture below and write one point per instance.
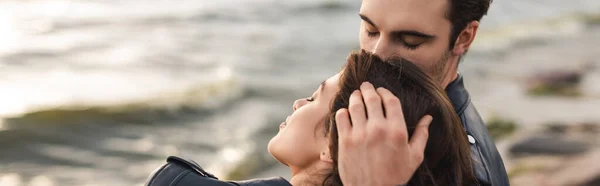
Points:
(435, 35)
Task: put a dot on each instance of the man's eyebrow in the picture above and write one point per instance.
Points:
(365, 18)
(400, 32)
(411, 33)
(323, 83)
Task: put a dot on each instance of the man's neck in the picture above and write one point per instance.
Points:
(449, 79)
(450, 74)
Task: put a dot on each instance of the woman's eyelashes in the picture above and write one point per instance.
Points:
(310, 99)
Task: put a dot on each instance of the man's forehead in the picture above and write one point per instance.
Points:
(408, 4)
(389, 14)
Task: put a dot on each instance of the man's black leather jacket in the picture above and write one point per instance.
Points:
(489, 167)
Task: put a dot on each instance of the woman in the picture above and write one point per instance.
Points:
(308, 139)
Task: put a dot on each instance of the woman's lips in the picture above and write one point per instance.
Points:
(283, 124)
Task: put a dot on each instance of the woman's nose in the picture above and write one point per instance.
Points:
(299, 103)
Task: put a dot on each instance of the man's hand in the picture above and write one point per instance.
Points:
(376, 151)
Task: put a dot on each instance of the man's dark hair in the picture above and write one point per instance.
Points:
(462, 12)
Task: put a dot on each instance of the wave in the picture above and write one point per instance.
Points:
(56, 14)
(244, 159)
(204, 97)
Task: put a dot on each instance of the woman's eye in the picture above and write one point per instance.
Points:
(310, 99)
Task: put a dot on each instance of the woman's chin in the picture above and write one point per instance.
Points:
(271, 147)
(274, 142)
(273, 151)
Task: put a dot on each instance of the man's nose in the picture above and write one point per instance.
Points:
(299, 103)
(382, 48)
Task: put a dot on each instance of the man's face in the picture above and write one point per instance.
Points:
(415, 30)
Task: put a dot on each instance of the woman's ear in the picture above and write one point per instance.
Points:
(326, 156)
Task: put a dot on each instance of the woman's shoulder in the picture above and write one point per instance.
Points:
(180, 171)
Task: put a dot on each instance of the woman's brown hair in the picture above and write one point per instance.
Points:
(447, 157)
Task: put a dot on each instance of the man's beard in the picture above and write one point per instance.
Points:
(438, 70)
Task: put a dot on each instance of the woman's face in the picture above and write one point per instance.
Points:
(301, 142)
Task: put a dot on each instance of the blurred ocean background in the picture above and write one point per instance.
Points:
(98, 93)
